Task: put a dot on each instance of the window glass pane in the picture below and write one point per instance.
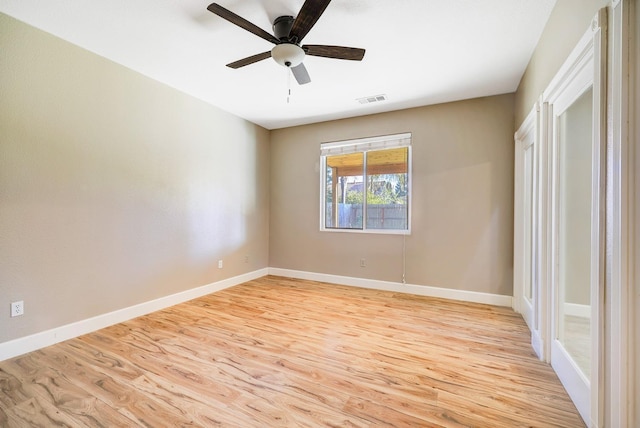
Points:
(366, 184)
(574, 230)
(344, 191)
(387, 189)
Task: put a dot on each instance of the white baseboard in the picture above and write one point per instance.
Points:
(576, 310)
(574, 381)
(537, 344)
(421, 290)
(22, 345)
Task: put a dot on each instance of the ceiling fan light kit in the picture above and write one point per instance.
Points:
(288, 34)
(287, 54)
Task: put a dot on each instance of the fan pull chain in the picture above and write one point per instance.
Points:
(288, 85)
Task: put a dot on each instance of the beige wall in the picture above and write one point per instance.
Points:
(635, 129)
(462, 226)
(569, 20)
(115, 189)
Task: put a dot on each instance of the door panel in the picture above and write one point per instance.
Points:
(574, 130)
(574, 107)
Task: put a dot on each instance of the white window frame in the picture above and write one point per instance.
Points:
(365, 145)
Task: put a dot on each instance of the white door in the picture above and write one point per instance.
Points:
(526, 228)
(572, 343)
(574, 114)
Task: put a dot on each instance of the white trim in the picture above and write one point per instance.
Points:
(579, 58)
(545, 234)
(368, 231)
(620, 214)
(420, 290)
(570, 374)
(526, 219)
(599, 354)
(585, 66)
(577, 310)
(537, 343)
(518, 216)
(42, 339)
(352, 146)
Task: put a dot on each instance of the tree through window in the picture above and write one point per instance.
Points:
(366, 184)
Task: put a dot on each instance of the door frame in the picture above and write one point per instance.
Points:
(623, 237)
(585, 67)
(527, 138)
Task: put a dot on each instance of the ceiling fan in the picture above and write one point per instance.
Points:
(288, 34)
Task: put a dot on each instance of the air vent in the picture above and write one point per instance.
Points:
(372, 99)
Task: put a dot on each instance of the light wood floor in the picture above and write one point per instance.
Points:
(277, 352)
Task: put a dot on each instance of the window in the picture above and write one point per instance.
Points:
(365, 185)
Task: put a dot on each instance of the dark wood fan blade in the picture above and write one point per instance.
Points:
(250, 60)
(241, 22)
(301, 74)
(339, 52)
(307, 17)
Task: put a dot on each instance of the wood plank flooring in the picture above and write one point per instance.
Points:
(277, 352)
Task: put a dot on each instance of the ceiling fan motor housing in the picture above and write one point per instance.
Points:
(282, 27)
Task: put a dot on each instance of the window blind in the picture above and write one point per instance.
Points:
(365, 144)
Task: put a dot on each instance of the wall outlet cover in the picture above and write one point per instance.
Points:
(17, 308)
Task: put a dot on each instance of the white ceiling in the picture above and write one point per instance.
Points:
(418, 52)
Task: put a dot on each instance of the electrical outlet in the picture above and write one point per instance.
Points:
(363, 263)
(17, 308)
(219, 264)
(246, 259)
